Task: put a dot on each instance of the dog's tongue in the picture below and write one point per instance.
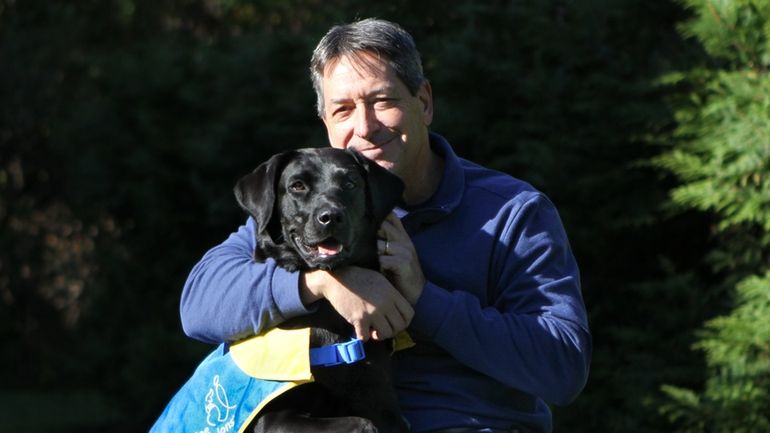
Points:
(329, 249)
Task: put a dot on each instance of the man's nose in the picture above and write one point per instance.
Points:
(366, 122)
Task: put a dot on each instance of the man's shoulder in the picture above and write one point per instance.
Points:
(490, 183)
(486, 188)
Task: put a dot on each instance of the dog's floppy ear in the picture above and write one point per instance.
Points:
(255, 193)
(384, 188)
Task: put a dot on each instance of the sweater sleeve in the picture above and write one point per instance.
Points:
(534, 336)
(228, 295)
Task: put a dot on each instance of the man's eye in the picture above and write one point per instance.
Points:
(297, 186)
(341, 111)
(383, 103)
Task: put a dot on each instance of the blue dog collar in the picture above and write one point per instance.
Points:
(337, 354)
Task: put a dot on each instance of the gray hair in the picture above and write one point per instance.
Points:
(387, 40)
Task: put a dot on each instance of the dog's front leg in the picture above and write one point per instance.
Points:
(366, 390)
(288, 421)
(378, 403)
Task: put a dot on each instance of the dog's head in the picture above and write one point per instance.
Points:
(318, 208)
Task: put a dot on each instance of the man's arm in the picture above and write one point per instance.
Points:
(535, 336)
(365, 298)
(229, 296)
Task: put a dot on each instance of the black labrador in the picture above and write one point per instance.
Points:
(321, 208)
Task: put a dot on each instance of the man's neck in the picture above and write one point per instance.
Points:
(425, 181)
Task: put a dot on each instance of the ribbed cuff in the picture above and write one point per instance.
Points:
(431, 310)
(285, 289)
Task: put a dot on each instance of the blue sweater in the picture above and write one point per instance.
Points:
(500, 327)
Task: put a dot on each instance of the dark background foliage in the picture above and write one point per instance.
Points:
(125, 123)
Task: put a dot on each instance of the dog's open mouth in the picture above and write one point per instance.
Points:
(327, 248)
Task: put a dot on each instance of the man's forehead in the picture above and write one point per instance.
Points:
(364, 63)
(346, 97)
(348, 73)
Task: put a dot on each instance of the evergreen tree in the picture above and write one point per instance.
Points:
(721, 157)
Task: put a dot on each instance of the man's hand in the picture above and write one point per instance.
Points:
(365, 298)
(398, 259)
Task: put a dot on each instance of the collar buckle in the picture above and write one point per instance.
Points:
(337, 354)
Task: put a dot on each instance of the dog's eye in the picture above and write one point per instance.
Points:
(297, 186)
(349, 184)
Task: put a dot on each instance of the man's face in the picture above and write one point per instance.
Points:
(369, 109)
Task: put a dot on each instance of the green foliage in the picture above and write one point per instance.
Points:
(724, 156)
(736, 397)
(720, 155)
(736, 31)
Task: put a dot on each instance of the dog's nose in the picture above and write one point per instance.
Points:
(329, 216)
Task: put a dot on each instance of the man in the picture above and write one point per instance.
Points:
(478, 265)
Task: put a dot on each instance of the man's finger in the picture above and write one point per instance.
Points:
(363, 331)
(382, 329)
(406, 311)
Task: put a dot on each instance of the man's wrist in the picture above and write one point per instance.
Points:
(310, 287)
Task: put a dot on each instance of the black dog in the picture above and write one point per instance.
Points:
(321, 208)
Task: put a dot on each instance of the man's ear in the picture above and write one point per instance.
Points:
(384, 188)
(425, 95)
(256, 193)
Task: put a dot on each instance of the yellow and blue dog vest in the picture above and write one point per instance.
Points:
(232, 385)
